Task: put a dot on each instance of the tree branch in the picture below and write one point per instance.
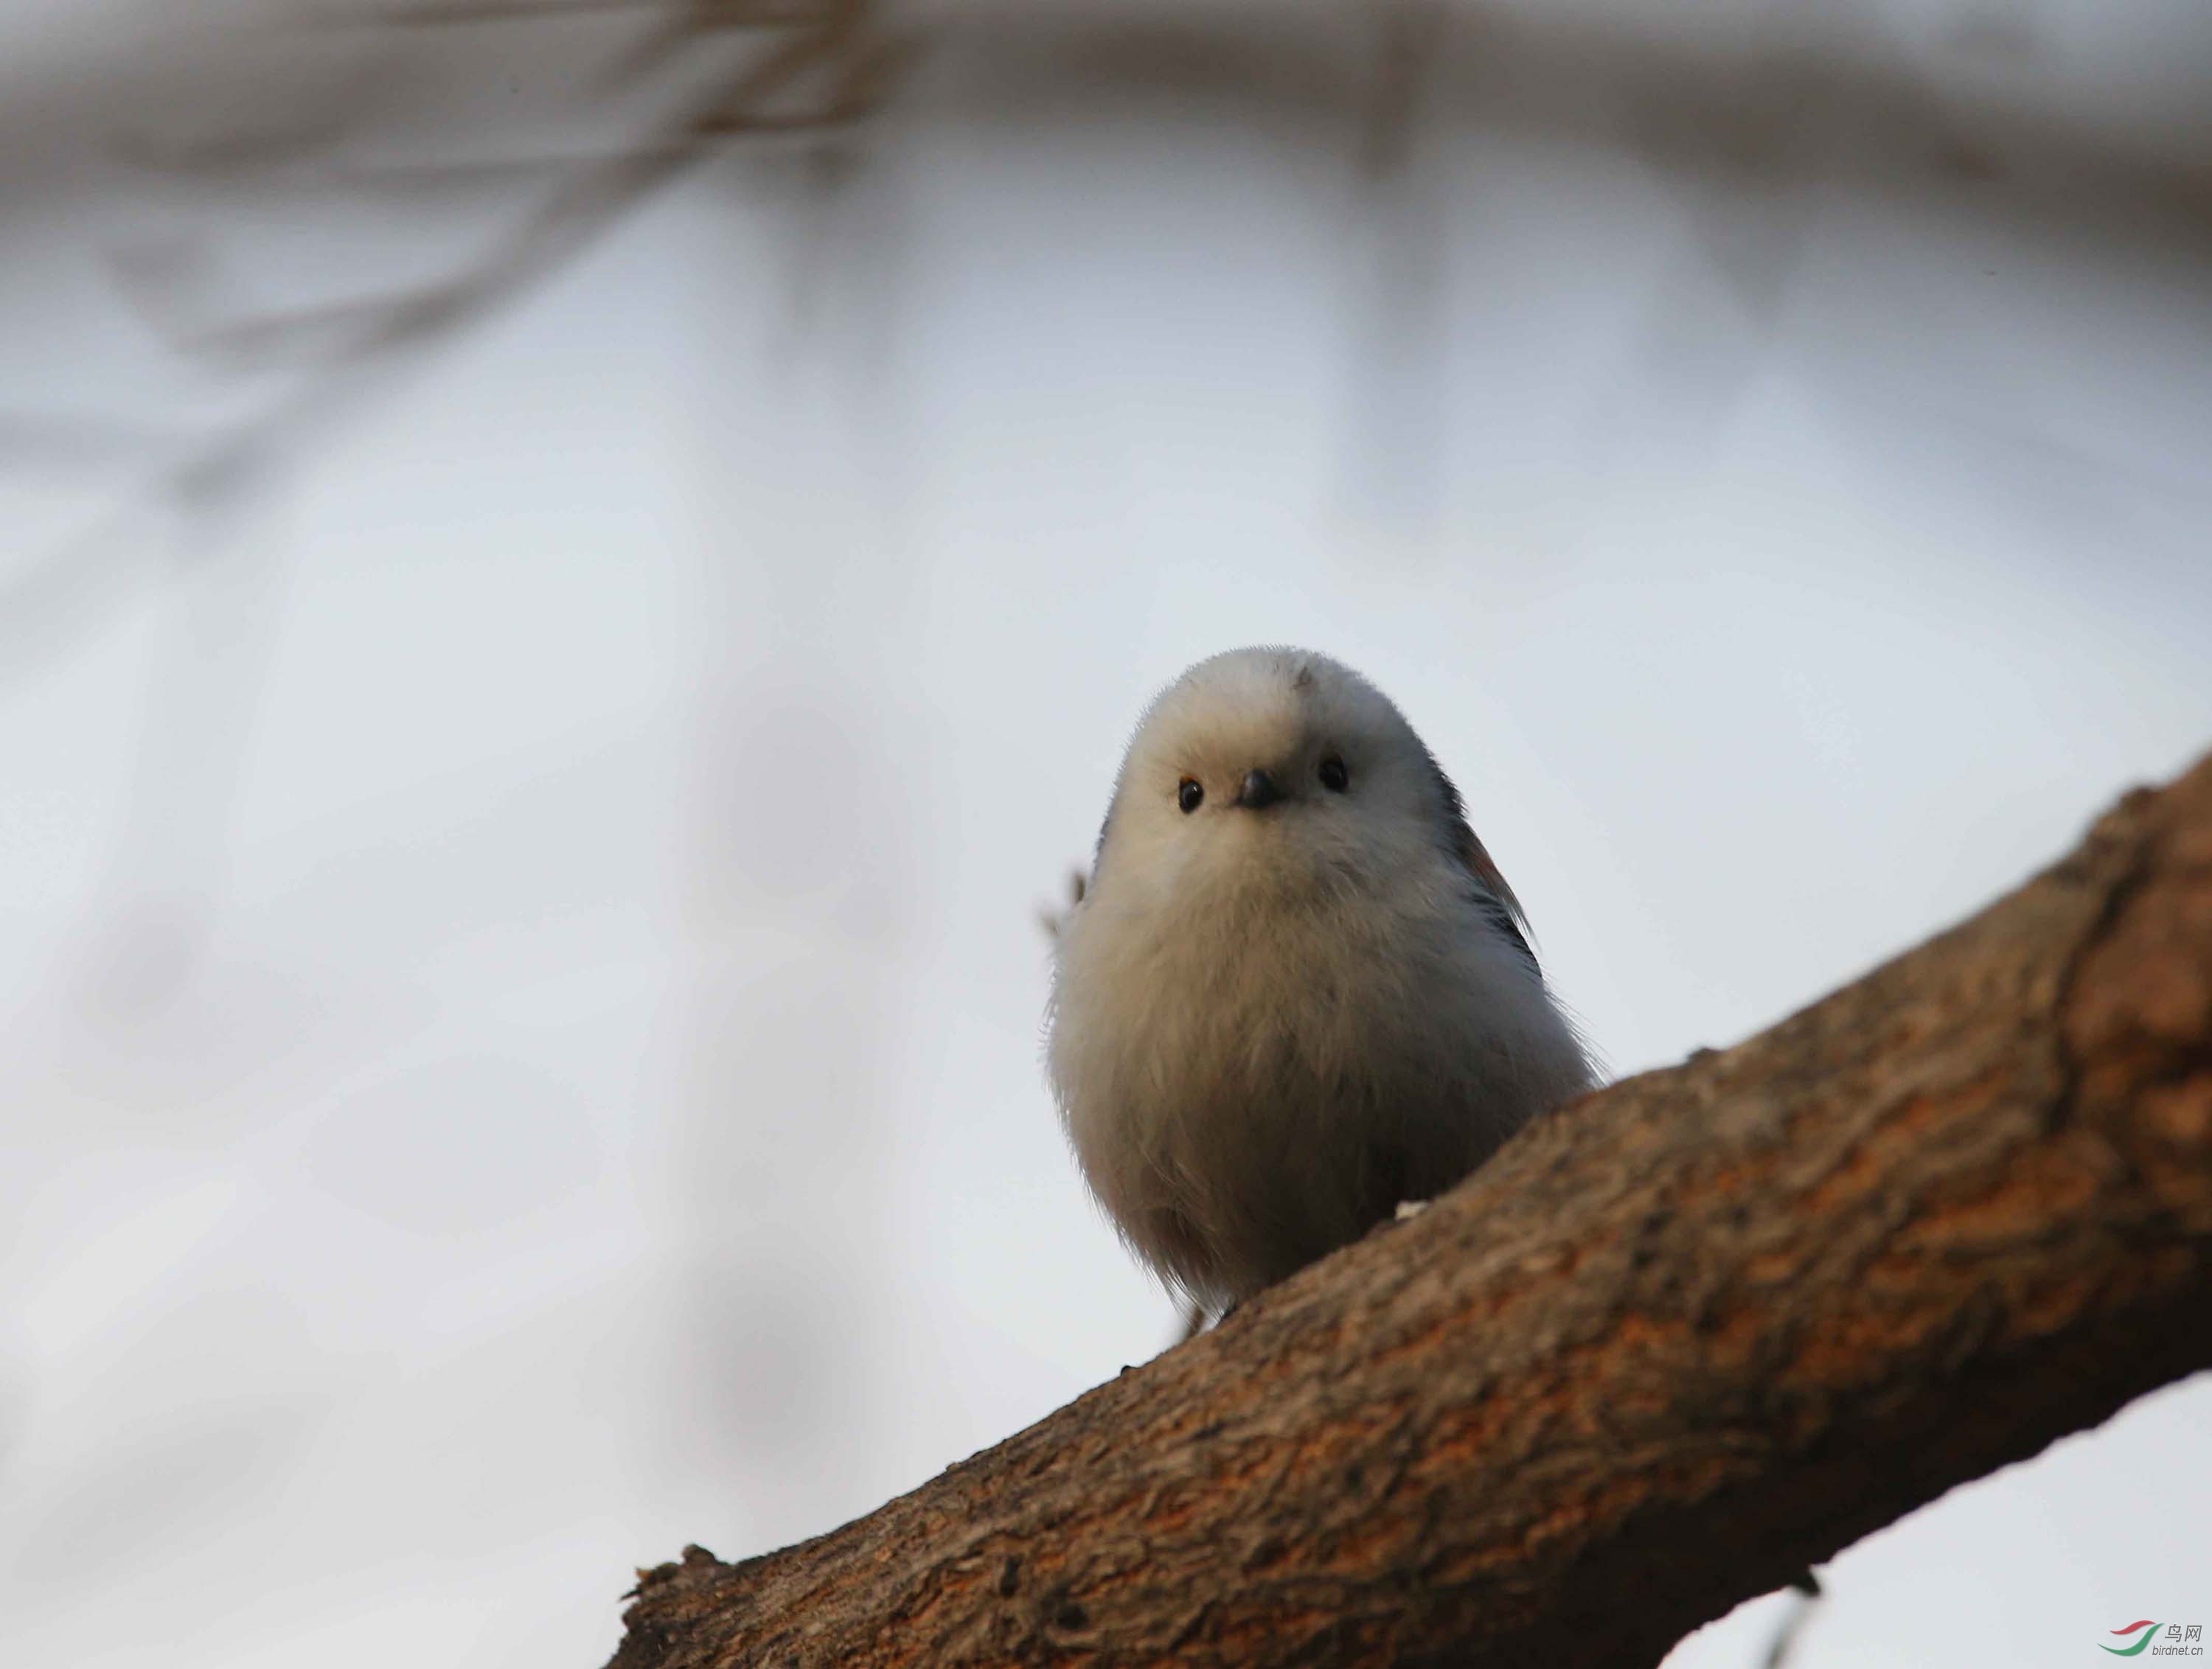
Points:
(1672, 1345)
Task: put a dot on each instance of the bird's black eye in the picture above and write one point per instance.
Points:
(1189, 793)
(1333, 776)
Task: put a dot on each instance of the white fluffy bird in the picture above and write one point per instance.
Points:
(1296, 992)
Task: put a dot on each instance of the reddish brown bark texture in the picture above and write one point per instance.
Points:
(1675, 1343)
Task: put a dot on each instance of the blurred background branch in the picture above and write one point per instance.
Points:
(413, 123)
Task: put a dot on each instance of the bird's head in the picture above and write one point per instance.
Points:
(1274, 769)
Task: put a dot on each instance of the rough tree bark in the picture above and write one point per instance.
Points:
(1674, 1344)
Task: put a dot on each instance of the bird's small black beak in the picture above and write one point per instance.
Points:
(1259, 790)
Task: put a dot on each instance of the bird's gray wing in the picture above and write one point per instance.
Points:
(1487, 886)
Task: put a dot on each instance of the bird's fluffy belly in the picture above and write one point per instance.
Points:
(1245, 1108)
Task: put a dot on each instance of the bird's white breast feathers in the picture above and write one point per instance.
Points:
(1250, 1077)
